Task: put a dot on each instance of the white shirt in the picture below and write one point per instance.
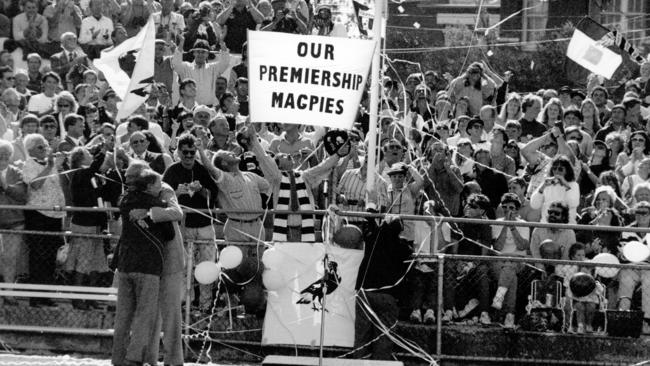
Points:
(510, 247)
(3, 177)
(40, 103)
(205, 76)
(49, 195)
(90, 24)
(173, 20)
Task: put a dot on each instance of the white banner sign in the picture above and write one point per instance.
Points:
(293, 310)
(593, 56)
(312, 80)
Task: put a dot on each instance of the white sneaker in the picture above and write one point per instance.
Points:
(429, 317)
(448, 316)
(416, 316)
(509, 321)
(471, 305)
(485, 318)
(581, 328)
(497, 302)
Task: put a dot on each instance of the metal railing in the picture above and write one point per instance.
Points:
(446, 275)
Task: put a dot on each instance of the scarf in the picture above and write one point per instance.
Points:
(292, 195)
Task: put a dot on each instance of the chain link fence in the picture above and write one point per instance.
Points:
(523, 293)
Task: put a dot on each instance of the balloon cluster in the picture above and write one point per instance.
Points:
(272, 278)
(207, 272)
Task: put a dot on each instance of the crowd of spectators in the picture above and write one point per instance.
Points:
(466, 147)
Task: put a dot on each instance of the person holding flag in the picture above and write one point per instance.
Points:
(129, 69)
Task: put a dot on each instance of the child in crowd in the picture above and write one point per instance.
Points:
(582, 307)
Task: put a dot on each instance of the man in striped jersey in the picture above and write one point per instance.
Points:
(292, 191)
(351, 193)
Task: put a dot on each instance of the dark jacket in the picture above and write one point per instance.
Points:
(155, 160)
(140, 250)
(85, 194)
(384, 256)
(14, 194)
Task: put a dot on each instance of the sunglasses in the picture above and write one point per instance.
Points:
(394, 147)
(642, 213)
(577, 138)
(136, 142)
(473, 206)
(554, 213)
(188, 152)
(464, 144)
(40, 147)
(63, 105)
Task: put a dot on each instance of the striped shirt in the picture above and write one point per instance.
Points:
(353, 186)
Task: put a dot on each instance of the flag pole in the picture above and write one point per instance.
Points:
(322, 310)
(375, 89)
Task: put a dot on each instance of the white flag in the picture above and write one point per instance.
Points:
(591, 55)
(293, 310)
(129, 69)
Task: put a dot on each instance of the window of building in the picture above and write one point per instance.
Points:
(628, 16)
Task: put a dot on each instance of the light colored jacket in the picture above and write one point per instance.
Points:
(174, 255)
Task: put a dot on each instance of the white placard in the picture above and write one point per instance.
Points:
(306, 79)
(293, 313)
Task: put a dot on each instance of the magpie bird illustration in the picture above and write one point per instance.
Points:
(330, 278)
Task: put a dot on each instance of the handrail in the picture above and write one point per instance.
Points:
(432, 258)
(427, 218)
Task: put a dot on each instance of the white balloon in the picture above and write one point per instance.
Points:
(230, 257)
(272, 258)
(273, 280)
(606, 258)
(206, 272)
(636, 252)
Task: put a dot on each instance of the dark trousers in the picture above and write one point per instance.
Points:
(424, 289)
(42, 248)
(468, 285)
(385, 306)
